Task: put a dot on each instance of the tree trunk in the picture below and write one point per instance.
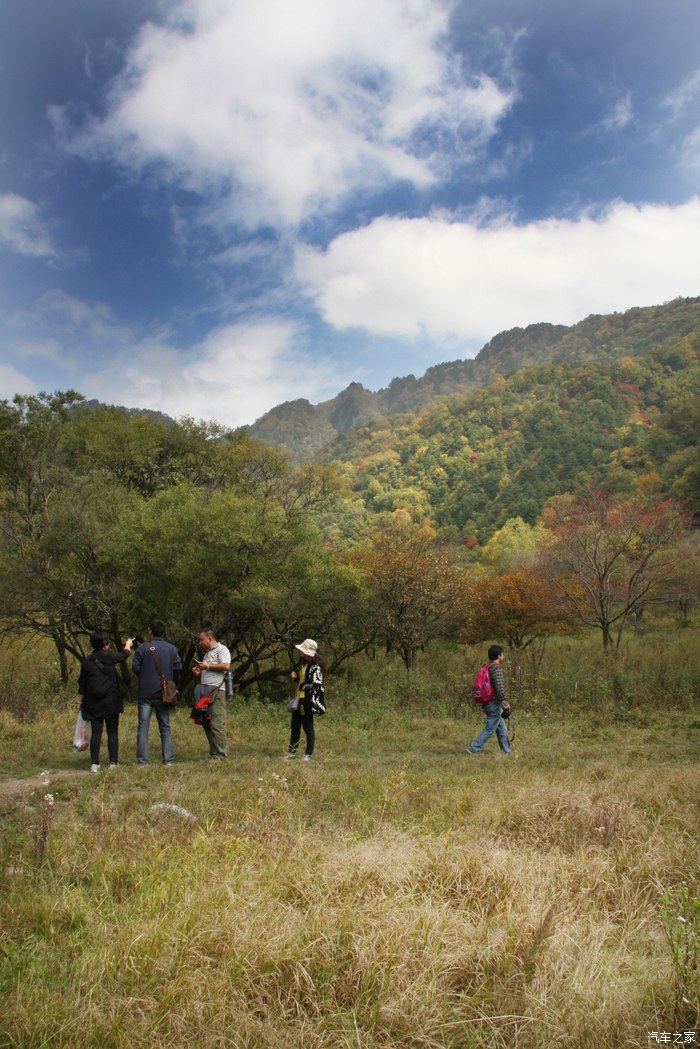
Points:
(409, 657)
(63, 662)
(59, 639)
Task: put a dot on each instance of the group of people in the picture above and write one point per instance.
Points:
(101, 696)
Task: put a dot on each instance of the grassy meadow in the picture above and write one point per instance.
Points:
(391, 893)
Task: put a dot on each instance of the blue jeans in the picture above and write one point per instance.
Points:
(146, 708)
(494, 723)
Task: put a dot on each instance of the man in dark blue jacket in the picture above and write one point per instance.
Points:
(144, 665)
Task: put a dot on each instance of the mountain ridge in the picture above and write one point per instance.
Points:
(305, 428)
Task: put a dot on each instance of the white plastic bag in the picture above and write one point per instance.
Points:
(80, 736)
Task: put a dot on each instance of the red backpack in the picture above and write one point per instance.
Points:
(482, 689)
(201, 711)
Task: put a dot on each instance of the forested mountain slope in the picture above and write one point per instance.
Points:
(471, 461)
(307, 428)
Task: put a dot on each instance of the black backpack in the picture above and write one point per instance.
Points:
(100, 678)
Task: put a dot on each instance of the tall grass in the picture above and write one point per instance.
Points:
(392, 893)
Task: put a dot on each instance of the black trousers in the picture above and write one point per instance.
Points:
(300, 719)
(112, 739)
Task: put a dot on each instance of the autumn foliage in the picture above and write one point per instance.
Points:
(416, 592)
(519, 607)
(613, 557)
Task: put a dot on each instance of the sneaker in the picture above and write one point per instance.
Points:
(307, 757)
(114, 765)
(289, 757)
(473, 752)
(94, 768)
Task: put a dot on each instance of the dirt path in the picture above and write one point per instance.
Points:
(14, 789)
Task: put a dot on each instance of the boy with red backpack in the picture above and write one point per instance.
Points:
(489, 690)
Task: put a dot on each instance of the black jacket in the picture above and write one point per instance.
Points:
(98, 685)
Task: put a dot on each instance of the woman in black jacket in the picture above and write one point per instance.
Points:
(101, 697)
(310, 696)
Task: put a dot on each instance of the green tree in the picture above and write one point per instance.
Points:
(33, 473)
(143, 453)
(512, 546)
(109, 524)
(237, 557)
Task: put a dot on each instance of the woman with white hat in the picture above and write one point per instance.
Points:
(308, 698)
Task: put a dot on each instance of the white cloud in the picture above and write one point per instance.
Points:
(66, 311)
(620, 114)
(42, 349)
(685, 95)
(12, 382)
(690, 153)
(21, 229)
(234, 376)
(286, 108)
(437, 278)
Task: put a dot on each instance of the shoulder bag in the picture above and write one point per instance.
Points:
(168, 692)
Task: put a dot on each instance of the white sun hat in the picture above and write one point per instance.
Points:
(308, 647)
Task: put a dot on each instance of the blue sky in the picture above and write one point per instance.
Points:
(210, 207)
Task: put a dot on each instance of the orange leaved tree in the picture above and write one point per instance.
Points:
(520, 607)
(416, 591)
(612, 556)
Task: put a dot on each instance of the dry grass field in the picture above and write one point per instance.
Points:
(391, 893)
